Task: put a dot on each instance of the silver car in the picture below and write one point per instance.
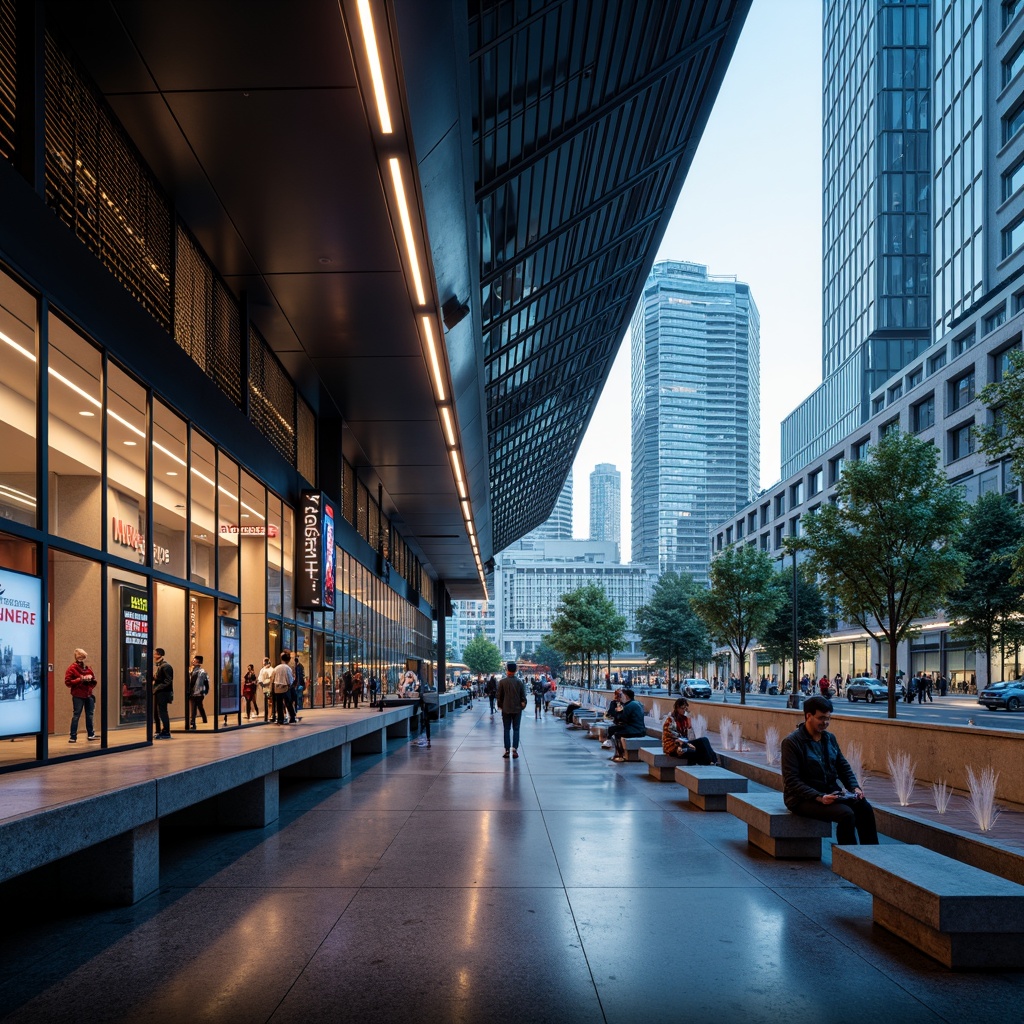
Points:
(1009, 695)
(870, 690)
(696, 688)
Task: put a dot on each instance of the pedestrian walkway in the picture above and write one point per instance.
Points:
(450, 885)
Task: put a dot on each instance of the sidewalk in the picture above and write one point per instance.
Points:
(450, 885)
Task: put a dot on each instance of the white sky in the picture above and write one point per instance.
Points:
(751, 207)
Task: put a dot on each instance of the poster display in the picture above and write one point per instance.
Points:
(316, 555)
(230, 667)
(21, 638)
(134, 629)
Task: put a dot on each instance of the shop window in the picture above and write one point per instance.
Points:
(170, 488)
(75, 428)
(203, 523)
(128, 670)
(252, 546)
(228, 523)
(288, 561)
(75, 600)
(19, 459)
(127, 464)
(274, 551)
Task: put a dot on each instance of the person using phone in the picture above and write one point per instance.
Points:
(813, 767)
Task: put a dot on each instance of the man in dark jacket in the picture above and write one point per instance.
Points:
(511, 700)
(628, 722)
(163, 694)
(813, 767)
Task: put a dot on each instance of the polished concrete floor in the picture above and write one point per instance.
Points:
(451, 885)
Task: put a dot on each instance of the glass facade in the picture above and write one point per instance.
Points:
(696, 419)
(605, 503)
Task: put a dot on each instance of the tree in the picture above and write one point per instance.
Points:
(1004, 436)
(884, 551)
(743, 599)
(587, 623)
(481, 656)
(984, 610)
(811, 623)
(545, 654)
(670, 630)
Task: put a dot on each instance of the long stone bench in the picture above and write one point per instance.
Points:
(956, 913)
(708, 785)
(660, 766)
(112, 828)
(634, 744)
(772, 827)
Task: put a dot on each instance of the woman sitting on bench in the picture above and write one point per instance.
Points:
(677, 739)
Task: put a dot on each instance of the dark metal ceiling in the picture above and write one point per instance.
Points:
(550, 142)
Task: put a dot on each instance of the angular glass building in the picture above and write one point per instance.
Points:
(696, 417)
(876, 207)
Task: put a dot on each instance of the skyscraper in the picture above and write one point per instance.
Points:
(605, 504)
(696, 418)
(876, 207)
(558, 525)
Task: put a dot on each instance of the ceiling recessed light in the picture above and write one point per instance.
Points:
(172, 472)
(245, 515)
(85, 412)
(130, 444)
(325, 261)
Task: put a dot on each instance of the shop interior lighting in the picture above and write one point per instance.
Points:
(13, 494)
(373, 58)
(410, 240)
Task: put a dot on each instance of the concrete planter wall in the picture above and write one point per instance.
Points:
(942, 752)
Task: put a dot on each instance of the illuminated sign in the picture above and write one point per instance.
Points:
(128, 536)
(21, 637)
(315, 557)
(249, 531)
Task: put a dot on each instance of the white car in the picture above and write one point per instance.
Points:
(699, 688)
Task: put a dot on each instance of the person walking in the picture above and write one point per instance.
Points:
(163, 694)
(347, 681)
(411, 684)
(299, 690)
(538, 697)
(357, 687)
(198, 688)
(81, 681)
(249, 693)
(512, 701)
(491, 689)
(266, 680)
(283, 680)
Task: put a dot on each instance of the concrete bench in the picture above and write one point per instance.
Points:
(772, 827)
(660, 765)
(956, 913)
(709, 785)
(634, 744)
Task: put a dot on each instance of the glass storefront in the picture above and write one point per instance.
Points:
(152, 536)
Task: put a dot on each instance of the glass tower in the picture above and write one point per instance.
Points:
(876, 213)
(605, 503)
(696, 418)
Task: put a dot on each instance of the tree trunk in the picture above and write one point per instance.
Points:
(743, 684)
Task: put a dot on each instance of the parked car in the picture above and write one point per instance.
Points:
(1009, 695)
(870, 690)
(700, 688)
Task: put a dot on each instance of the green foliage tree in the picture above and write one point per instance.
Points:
(884, 551)
(545, 654)
(585, 624)
(481, 656)
(743, 599)
(670, 630)
(1004, 436)
(776, 640)
(984, 610)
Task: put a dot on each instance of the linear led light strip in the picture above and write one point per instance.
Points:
(95, 402)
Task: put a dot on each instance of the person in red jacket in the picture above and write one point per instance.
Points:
(81, 681)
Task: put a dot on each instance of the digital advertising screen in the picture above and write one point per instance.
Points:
(21, 638)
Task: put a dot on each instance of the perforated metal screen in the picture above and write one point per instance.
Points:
(271, 396)
(8, 65)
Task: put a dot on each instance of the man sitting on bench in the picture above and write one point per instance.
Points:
(629, 721)
(813, 767)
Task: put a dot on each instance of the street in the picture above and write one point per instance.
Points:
(950, 710)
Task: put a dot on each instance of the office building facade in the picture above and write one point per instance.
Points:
(876, 211)
(605, 504)
(696, 420)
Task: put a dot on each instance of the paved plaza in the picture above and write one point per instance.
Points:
(451, 885)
